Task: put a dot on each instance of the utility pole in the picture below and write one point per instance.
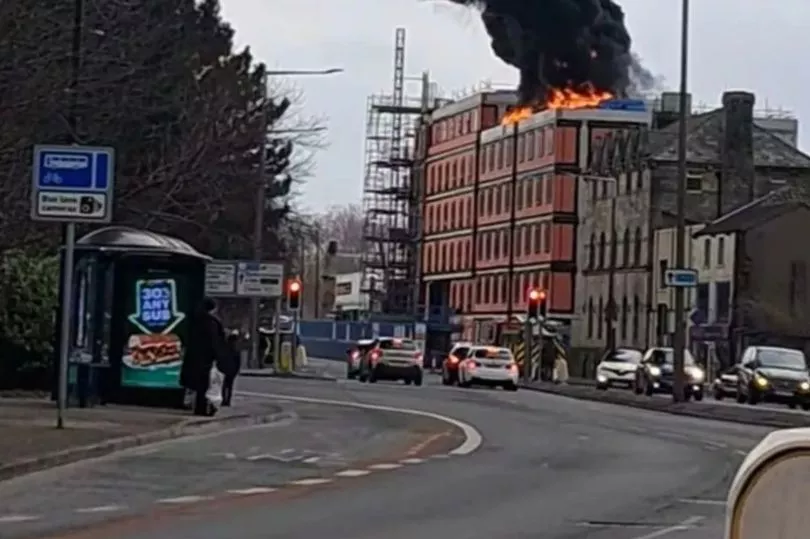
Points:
(612, 307)
(258, 226)
(317, 238)
(679, 343)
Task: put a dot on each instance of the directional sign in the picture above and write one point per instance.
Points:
(259, 279)
(681, 278)
(72, 184)
(220, 279)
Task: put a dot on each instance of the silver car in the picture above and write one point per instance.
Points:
(392, 359)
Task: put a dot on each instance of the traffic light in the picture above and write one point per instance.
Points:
(294, 295)
(537, 304)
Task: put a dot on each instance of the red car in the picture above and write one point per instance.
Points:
(354, 357)
(457, 354)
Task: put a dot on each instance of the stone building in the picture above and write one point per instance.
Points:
(631, 191)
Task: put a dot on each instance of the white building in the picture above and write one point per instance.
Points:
(708, 306)
(349, 295)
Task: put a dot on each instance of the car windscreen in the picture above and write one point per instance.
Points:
(782, 359)
(397, 344)
(668, 356)
(461, 352)
(490, 353)
(625, 356)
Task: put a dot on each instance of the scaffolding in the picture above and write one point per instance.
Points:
(390, 197)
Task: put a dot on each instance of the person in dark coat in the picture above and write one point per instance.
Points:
(206, 344)
(229, 366)
(548, 355)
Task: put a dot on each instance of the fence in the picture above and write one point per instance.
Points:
(329, 339)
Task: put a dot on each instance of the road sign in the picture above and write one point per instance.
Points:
(220, 279)
(681, 278)
(72, 184)
(259, 279)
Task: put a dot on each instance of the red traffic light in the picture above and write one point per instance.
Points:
(294, 286)
(537, 295)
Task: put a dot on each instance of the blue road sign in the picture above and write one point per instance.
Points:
(683, 278)
(72, 184)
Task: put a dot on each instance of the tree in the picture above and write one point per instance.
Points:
(344, 224)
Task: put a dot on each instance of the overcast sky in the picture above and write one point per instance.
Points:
(736, 44)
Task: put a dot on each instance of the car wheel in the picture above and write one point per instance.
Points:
(407, 381)
(462, 382)
(741, 398)
(648, 388)
(372, 377)
(510, 387)
(446, 379)
(753, 397)
(417, 381)
(806, 406)
(792, 405)
(698, 396)
(718, 394)
(637, 389)
(601, 386)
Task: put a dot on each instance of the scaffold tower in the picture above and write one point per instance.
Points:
(390, 203)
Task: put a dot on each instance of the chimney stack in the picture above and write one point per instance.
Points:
(736, 185)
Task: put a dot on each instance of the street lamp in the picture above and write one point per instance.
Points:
(679, 338)
(261, 193)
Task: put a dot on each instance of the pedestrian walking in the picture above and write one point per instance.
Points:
(206, 346)
(229, 367)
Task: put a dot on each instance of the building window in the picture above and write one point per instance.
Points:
(637, 250)
(626, 246)
(702, 301)
(624, 313)
(500, 155)
(590, 318)
(707, 253)
(694, 183)
(599, 319)
(547, 237)
(538, 190)
(530, 145)
(662, 274)
(721, 251)
(602, 249)
(722, 293)
(592, 252)
(636, 318)
(798, 286)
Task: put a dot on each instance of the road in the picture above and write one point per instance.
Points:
(547, 466)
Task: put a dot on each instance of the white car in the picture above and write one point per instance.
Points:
(617, 368)
(488, 365)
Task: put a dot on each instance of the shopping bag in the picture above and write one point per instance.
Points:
(214, 393)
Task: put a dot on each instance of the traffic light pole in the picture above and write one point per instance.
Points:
(528, 350)
(277, 335)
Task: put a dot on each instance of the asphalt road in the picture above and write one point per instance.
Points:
(547, 467)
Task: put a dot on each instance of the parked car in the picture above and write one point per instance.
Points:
(773, 374)
(725, 385)
(617, 368)
(656, 374)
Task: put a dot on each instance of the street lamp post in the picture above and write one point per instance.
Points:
(679, 340)
(261, 195)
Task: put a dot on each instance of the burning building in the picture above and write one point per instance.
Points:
(500, 206)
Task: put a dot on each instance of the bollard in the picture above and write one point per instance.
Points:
(768, 497)
(560, 371)
(301, 357)
(285, 358)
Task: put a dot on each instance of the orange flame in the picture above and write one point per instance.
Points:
(560, 98)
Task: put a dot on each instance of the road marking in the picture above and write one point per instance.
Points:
(385, 466)
(696, 501)
(250, 491)
(716, 445)
(472, 438)
(100, 509)
(741, 453)
(687, 524)
(353, 473)
(183, 499)
(412, 461)
(12, 519)
(311, 481)
(311, 460)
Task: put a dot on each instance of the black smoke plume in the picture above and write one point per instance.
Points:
(574, 44)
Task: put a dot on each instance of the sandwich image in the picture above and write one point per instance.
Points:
(149, 350)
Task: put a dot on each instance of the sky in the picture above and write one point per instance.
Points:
(734, 44)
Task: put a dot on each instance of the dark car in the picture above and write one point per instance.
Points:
(656, 374)
(725, 385)
(392, 359)
(354, 357)
(773, 374)
(450, 365)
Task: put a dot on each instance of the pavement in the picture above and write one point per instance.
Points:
(31, 440)
(488, 463)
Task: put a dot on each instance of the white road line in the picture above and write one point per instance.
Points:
(13, 519)
(741, 453)
(99, 509)
(183, 499)
(385, 466)
(250, 491)
(472, 438)
(695, 501)
(716, 445)
(687, 524)
(352, 473)
(440, 456)
(311, 460)
(412, 461)
(311, 481)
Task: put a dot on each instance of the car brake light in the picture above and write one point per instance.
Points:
(375, 356)
(472, 364)
(355, 354)
(453, 360)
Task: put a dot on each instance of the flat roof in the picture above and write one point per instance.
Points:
(494, 97)
(547, 117)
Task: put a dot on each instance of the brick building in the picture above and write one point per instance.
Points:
(732, 160)
(500, 208)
